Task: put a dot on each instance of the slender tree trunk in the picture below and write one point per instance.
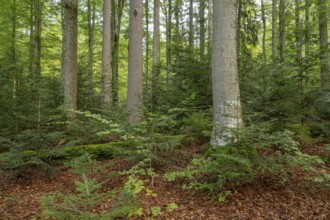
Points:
(31, 68)
(147, 44)
(14, 64)
(282, 30)
(202, 29)
(37, 59)
(64, 40)
(324, 54)
(191, 27)
(135, 60)
(177, 9)
(307, 31)
(91, 11)
(168, 43)
(106, 61)
(274, 31)
(263, 18)
(156, 54)
(210, 24)
(298, 33)
(117, 16)
(70, 58)
(227, 113)
(239, 17)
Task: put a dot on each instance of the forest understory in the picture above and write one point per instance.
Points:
(267, 197)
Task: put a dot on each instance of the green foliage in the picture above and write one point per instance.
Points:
(82, 204)
(171, 207)
(256, 153)
(79, 205)
(155, 211)
(88, 166)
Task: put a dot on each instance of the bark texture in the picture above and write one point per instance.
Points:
(106, 53)
(135, 83)
(70, 57)
(227, 115)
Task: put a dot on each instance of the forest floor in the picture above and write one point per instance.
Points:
(265, 198)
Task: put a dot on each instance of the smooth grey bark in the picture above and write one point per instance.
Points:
(227, 114)
(191, 27)
(91, 13)
(106, 60)
(202, 29)
(324, 54)
(282, 29)
(70, 61)
(263, 18)
(156, 54)
(135, 60)
(274, 31)
(168, 43)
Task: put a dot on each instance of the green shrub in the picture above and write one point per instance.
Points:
(243, 161)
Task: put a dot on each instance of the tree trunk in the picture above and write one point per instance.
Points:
(37, 58)
(324, 54)
(202, 29)
(210, 24)
(307, 31)
(117, 17)
(91, 29)
(282, 30)
(147, 44)
(135, 60)
(31, 61)
(156, 54)
(168, 43)
(191, 27)
(263, 18)
(274, 31)
(239, 17)
(177, 31)
(64, 39)
(13, 59)
(70, 57)
(227, 113)
(106, 61)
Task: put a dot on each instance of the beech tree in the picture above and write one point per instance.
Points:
(227, 113)
(70, 57)
(106, 52)
(135, 60)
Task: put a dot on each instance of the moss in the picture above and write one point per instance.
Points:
(98, 151)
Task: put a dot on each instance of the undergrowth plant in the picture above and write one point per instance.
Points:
(82, 204)
(257, 152)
